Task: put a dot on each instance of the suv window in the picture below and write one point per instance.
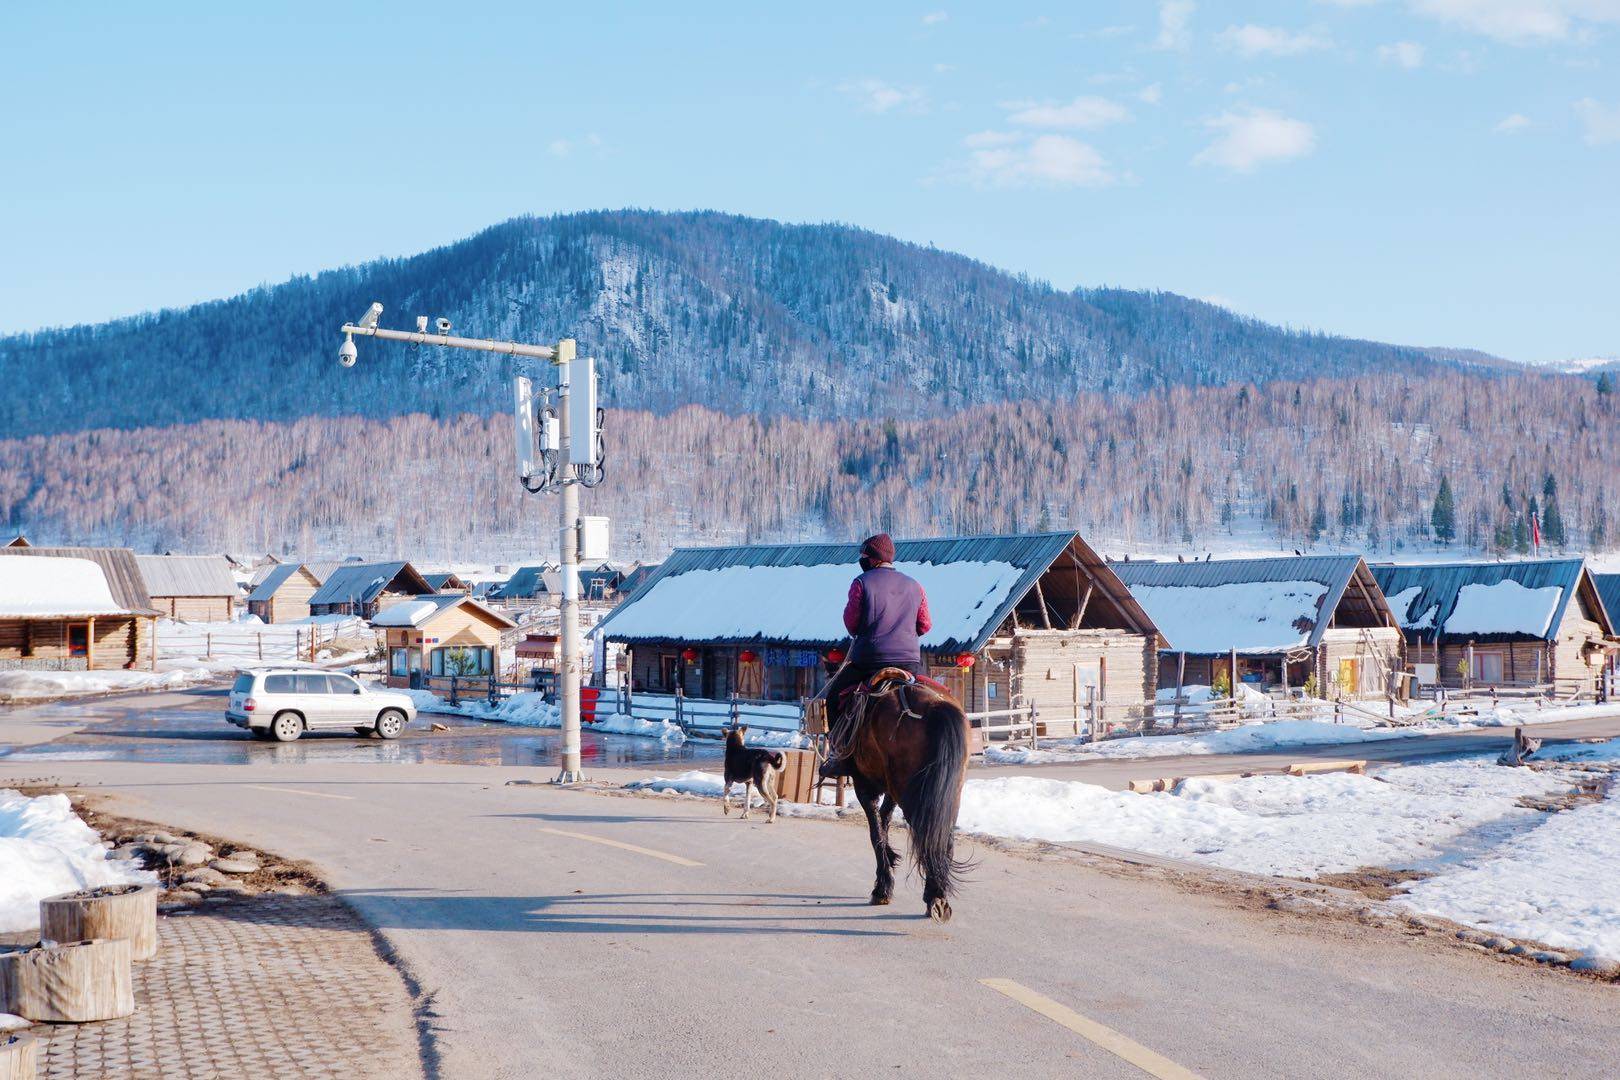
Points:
(312, 684)
(243, 684)
(342, 684)
(278, 684)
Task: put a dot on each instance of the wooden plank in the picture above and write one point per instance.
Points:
(1306, 768)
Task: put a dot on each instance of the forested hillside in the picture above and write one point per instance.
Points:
(1383, 462)
(749, 315)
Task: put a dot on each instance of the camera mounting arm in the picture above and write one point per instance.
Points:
(510, 348)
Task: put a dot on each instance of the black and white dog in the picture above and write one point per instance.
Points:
(747, 765)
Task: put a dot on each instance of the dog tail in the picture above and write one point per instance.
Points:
(776, 759)
(933, 796)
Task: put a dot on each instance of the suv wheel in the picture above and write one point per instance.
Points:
(390, 723)
(286, 726)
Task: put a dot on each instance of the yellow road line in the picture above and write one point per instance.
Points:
(666, 856)
(1106, 1037)
(301, 791)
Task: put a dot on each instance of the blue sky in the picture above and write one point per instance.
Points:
(1441, 172)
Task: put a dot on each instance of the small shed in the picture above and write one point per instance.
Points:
(529, 586)
(283, 594)
(364, 589)
(1018, 620)
(442, 635)
(1532, 623)
(194, 588)
(18, 541)
(74, 609)
(1316, 621)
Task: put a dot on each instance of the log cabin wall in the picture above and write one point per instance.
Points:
(1056, 667)
(119, 642)
(1371, 654)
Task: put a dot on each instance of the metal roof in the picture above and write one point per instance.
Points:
(409, 614)
(361, 583)
(1032, 554)
(440, 580)
(1440, 584)
(275, 579)
(1608, 590)
(1333, 572)
(118, 564)
(186, 575)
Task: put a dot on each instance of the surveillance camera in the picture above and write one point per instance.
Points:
(443, 324)
(421, 324)
(347, 353)
(373, 313)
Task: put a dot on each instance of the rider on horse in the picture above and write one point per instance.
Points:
(886, 615)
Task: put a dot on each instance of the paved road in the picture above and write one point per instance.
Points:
(576, 934)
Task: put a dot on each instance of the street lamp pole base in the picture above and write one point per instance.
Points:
(569, 776)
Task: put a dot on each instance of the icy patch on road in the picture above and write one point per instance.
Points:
(45, 849)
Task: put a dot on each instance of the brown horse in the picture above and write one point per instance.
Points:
(911, 752)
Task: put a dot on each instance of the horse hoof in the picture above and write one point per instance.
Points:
(878, 901)
(939, 911)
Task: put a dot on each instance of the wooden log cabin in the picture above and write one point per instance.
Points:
(1315, 622)
(74, 609)
(1018, 620)
(1533, 623)
(192, 588)
(442, 635)
(1608, 587)
(364, 589)
(283, 594)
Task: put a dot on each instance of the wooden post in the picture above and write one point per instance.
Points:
(153, 630)
(73, 984)
(1181, 676)
(208, 640)
(1468, 680)
(261, 644)
(1085, 602)
(112, 912)
(1232, 677)
(1040, 598)
(90, 644)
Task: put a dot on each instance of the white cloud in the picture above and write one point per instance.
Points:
(1522, 22)
(1151, 94)
(565, 147)
(1407, 54)
(1252, 40)
(560, 147)
(991, 138)
(934, 18)
(1602, 122)
(1175, 25)
(1081, 113)
(1245, 141)
(1052, 161)
(1512, 124)
(875, 95)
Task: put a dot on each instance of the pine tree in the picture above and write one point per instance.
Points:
(1444, 515)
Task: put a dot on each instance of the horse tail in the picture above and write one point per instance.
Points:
(934, 794)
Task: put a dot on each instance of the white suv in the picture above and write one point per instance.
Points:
(283, 703)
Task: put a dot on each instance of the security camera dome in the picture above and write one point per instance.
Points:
(347, 353)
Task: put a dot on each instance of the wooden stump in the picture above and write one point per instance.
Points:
(110, 912)
(87, 980)
(19, 1056)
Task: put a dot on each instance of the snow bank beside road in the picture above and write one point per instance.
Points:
(46, 849)
(35, 685)
(1249, 738)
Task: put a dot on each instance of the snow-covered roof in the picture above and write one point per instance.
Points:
(1250, 605)
(61, 588)
(1484, 601)
(420, 612)
(118, 568)
(794, 593)
(186, 575)
(361, 583)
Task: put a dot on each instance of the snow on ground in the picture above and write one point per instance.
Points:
(526, 710)
(249, 641)
(709, 785)
(45, 849)
(620, 724)
(1247, 738)
(33, 685)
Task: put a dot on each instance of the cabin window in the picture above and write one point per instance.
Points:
(78, 639)
(398, 664)
(1490, 667)
(449, 661)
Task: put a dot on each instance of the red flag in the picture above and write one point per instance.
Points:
(1535, 530)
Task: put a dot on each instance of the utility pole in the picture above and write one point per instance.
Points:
(559, 454)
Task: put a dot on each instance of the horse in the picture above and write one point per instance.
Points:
(910, 750)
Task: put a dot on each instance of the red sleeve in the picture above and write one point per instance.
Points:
(852, 607)
(924, 623)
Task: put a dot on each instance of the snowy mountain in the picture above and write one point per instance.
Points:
(820, 320)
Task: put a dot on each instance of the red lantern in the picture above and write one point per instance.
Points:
(965, 660)
(834, 656)
(748, 656)
(689, 655)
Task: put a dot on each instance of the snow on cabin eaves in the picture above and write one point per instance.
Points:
(794, 593)
(55, 588)
(1483, 601)
(1251, 605)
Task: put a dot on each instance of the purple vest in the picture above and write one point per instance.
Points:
(888, 630)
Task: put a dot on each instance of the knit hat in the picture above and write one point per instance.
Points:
(879, 548)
